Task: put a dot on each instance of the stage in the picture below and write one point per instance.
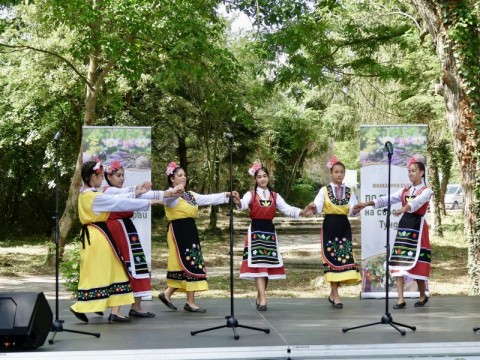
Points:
(299, 329)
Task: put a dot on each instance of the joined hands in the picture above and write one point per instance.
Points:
(310, 210)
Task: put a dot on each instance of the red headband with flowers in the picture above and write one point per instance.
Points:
(333, 160)
(113, 167)
(171, 168)
(98, 166)
(413, 160)
(256, 166)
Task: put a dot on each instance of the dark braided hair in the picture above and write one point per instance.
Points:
(88, 171)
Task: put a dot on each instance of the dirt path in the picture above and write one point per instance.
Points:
(22, 267)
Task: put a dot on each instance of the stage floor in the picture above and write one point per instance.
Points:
(299, 329)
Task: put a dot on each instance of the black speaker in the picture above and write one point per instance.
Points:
(25, 320)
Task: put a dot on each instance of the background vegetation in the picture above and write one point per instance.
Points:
(293, 88)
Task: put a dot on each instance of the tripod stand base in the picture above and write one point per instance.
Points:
(386, 319)
(57, 327)
(231, 323)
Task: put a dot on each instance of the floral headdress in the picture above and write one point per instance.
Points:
(333, 160)
(256, 166)
(171, 168)
(414, 159)
(113, 167)
(98, 166)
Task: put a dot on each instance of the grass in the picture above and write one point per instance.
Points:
(22, 257)
(449, 259)
(19, 257)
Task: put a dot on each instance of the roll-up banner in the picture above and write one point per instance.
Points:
(407, 140)
(131, 146)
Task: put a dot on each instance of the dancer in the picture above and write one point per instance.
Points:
(103, 280)
(186, 270)
(411, 251)
(126, 236)
(261, 256)
(337, 201)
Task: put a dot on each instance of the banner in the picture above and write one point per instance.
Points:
(407, 140)
(132, 147)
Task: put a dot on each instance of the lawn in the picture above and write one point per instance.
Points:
(20, 257)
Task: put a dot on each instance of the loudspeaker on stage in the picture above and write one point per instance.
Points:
(25, 320)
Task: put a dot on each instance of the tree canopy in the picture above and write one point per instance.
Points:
(304, 77)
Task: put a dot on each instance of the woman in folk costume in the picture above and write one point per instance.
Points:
(186, 270)
(103, 279)
(337, 200)
(261, 256)
(126, 236)
(411, 251)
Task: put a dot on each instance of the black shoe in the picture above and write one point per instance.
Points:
(262, 307)
(420, 303)
(167, 303)
(189, 308)
(139, 314)
(400, 306)
(118, 319)
(99, 313)
(79, 316)
(334, 304)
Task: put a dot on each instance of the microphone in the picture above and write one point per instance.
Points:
(229, 136)
(57, 136)
(389, 147)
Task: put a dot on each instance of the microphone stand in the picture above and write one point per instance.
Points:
(57, 325)
(232, 322)
(386, 318)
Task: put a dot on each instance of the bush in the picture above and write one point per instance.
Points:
(70, 268)
(303, 193)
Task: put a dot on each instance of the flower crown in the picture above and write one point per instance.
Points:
(255, 167)
(333, 160)
(414, 159)
(98, 166)
(171, 168)
(113, 167)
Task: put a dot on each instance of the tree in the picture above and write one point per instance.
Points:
(453, 26)
(112, 35)
(38, 97)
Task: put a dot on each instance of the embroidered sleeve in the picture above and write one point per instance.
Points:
(108, 203)
(286, 209)
(245, 201)
(125, 192)
(152, 194)
(353, 201)
(420, 200)
(114, 190)
(319, 201)
(383, 201)
(210, 199)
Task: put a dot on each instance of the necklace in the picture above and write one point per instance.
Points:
(416, 188)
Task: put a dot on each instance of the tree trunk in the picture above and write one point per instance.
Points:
(214, 184)
(70, 212)
(460, 120)
(433, 174)
(182, 152)
(443, 190)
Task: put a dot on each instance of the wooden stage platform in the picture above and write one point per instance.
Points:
(299, 329)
